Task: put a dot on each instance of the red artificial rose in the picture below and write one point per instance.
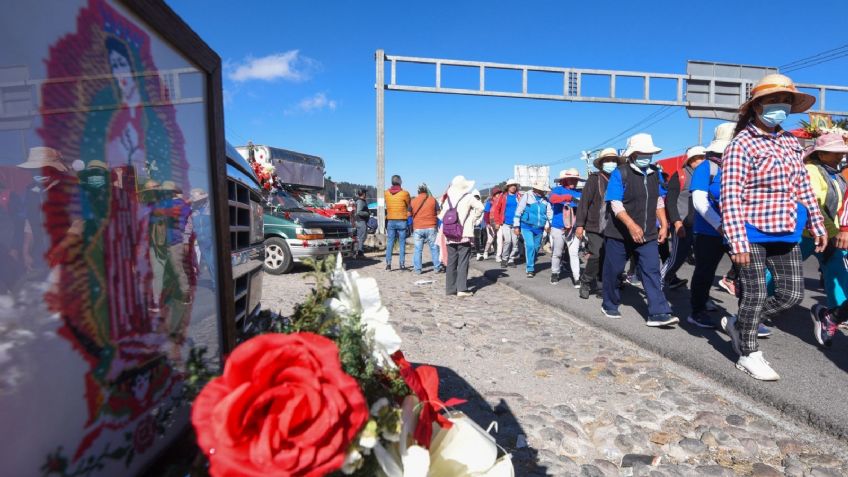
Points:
(283, 407)
(144, 434)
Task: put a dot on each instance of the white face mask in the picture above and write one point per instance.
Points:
(608, 167)
(643, 160)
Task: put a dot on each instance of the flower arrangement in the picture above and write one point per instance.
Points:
(264, 170)
(328, 391)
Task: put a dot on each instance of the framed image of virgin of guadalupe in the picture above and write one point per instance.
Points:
(111, 167)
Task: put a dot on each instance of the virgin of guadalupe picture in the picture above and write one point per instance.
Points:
(121, 243)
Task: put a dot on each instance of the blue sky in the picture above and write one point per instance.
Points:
(300, 74)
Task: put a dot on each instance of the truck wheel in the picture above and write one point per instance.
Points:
(278, 257)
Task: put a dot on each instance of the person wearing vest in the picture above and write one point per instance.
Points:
(532, 218)
(564, 199)
(591, 218)
(682, 217)
(468, 210)
(634, 209)
(424, 211)
(827, 321)
(361, 216)
(829, 186)
(766, 200)
(502, 213)
(397, 215)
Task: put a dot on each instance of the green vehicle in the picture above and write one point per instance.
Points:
(293, 234)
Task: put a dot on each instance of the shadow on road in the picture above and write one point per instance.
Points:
(525, 459)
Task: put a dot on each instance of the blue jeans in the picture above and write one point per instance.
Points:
(532, 243)
(396, 229)
(421, 236)
(615, 258)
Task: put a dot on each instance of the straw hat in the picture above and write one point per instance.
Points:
(606, 153)
(569, 174)
(641, 143)
(44, 157)
(695, 151)
(540, 185)
(512, 181)
(721, 138)
(776, 83)
(828, 142)
(460, 185)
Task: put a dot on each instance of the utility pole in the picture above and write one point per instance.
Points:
(700, 131)
(380, 58)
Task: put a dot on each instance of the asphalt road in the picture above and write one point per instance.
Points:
(814, 382)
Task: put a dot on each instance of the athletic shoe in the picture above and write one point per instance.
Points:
(441, 269)
(479, 257)
(727, 285)
(503, 263)
(554, 278)
(464, 294)
(531, 274)
(404, 268)
(763, 331)
(389, 266)
(757, 367)
(585, 291)
(728, 323)
(417, 272)
(663, 319)
(575, 283)
(701, 320)
(485, 255)
(676, 283)
(710, 306)
(611, 313)
(633, 279)
(511, 264)
(824, 328)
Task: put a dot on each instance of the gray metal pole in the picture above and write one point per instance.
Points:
(700, 131)
(380, 84)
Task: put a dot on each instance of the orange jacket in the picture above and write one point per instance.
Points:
(397, 205)
(424, 212)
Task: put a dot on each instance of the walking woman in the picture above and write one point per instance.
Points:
(827, 320)
(564, 199)
(459, 211)
(765, 201)
(532, 218)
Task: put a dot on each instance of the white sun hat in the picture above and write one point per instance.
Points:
(571, 173)
(642, 143)
(721, 138)
(695, 151)
(541, 185)
(41, 156)
(512, 181)
(461, 185)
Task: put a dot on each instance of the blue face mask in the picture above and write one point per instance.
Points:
(643, 160)
(608, 167)
(774, 114)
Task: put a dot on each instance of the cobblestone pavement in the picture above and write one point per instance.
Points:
(573, 400)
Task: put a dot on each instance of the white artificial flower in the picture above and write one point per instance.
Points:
(362, 295)
(353, 461)
(367, 442)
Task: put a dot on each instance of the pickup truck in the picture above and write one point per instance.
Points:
(293, 233)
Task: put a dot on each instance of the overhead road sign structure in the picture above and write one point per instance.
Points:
(708, 90)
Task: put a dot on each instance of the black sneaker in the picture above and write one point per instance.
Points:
(824, 327)
(585, 291)
(554, 278)
(511, 264)
(503, 263)
(531, 274)
(662, 319)
(389, 266)
(676, 283)
(441, 269)
(701, 320)
(403, 268)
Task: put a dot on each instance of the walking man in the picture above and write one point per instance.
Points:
(635, 207)
(681, 214)
(532, 218)
(503, 212)
(592, 218)
(564, 198)
(425, 209)
(397, 214)
(361, 216)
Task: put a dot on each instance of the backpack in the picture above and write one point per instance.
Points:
(535, 215)
(452, 228)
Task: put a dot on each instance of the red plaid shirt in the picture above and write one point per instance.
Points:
(763, 178)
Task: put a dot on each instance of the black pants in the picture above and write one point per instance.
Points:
(459, 254)
(840, 314)
(595, 247)
(709, 251)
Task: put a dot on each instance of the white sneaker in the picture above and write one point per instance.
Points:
(464, 294)
(486, 256)
(755, 365)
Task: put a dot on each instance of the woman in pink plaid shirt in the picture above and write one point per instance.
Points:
(766, 200)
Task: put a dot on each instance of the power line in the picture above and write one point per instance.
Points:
(825, 59)
(816, 59)
(812, 57)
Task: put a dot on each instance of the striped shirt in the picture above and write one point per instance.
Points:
(762, 182)
(843, 215)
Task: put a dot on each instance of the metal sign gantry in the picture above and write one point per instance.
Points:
(715, 95)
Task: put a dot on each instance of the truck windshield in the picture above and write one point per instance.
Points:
(311, 200)
(287, 203)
